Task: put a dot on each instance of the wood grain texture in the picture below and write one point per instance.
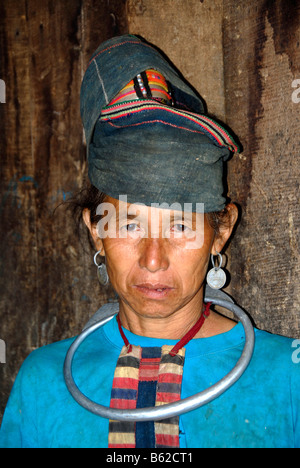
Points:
(190, 34)
(261, 61)
(48, 282)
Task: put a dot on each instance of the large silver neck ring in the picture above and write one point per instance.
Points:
(168, 410)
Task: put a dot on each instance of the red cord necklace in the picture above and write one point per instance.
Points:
(184, 340)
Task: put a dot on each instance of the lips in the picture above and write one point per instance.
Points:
(155, 286)
(154, 290)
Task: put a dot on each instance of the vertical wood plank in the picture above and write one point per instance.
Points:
(261, 59)
(18, 249)
(190, 34)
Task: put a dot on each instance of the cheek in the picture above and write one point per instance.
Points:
(120, 259)
(192, 265)
(192, 268)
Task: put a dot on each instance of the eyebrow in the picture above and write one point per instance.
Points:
(131, 216)
(128, 216)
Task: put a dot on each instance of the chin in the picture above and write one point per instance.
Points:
(151, 308)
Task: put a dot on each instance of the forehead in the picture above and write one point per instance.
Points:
(152, 222)
(163, 210)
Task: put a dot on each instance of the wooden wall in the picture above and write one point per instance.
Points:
(261, 63)
(47, 278)
(242, 56)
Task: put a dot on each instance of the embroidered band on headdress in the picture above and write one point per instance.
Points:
(149, 84)
(206, 125)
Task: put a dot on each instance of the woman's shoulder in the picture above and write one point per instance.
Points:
(280, 342)
(51, 357)
(278, 352)
(48, 357)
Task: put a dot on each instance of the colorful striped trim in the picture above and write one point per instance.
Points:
(168, 390)
(150, 83)
(206, 124)
(146, 377)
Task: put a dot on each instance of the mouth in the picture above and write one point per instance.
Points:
(154, 290)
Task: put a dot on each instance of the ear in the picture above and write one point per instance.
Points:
(86, 215)
(226, 229)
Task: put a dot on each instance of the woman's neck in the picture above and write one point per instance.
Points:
(176, 324)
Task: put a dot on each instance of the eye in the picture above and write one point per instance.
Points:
(132, 227)
(180, 227)
(131, 230)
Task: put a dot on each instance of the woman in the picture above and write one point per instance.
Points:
(156, 213)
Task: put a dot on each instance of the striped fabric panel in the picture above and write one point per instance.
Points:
(156, 82)
(206, 124)
(168, 391)
(124, 396)
(146, 377)
(149, 371)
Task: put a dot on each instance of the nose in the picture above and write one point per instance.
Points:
(153, 255)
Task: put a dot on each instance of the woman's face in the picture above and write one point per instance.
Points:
(156, 258)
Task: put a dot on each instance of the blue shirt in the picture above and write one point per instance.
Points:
(261, 410)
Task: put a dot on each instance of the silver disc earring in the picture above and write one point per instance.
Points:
(101, 270)
(216, 277)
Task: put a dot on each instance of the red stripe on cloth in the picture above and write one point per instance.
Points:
(149, 361)
(125, 382)
(122, 404)
(167, 440)
(170, 378)
(167, 397)
(149, 369)
(147, 376)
